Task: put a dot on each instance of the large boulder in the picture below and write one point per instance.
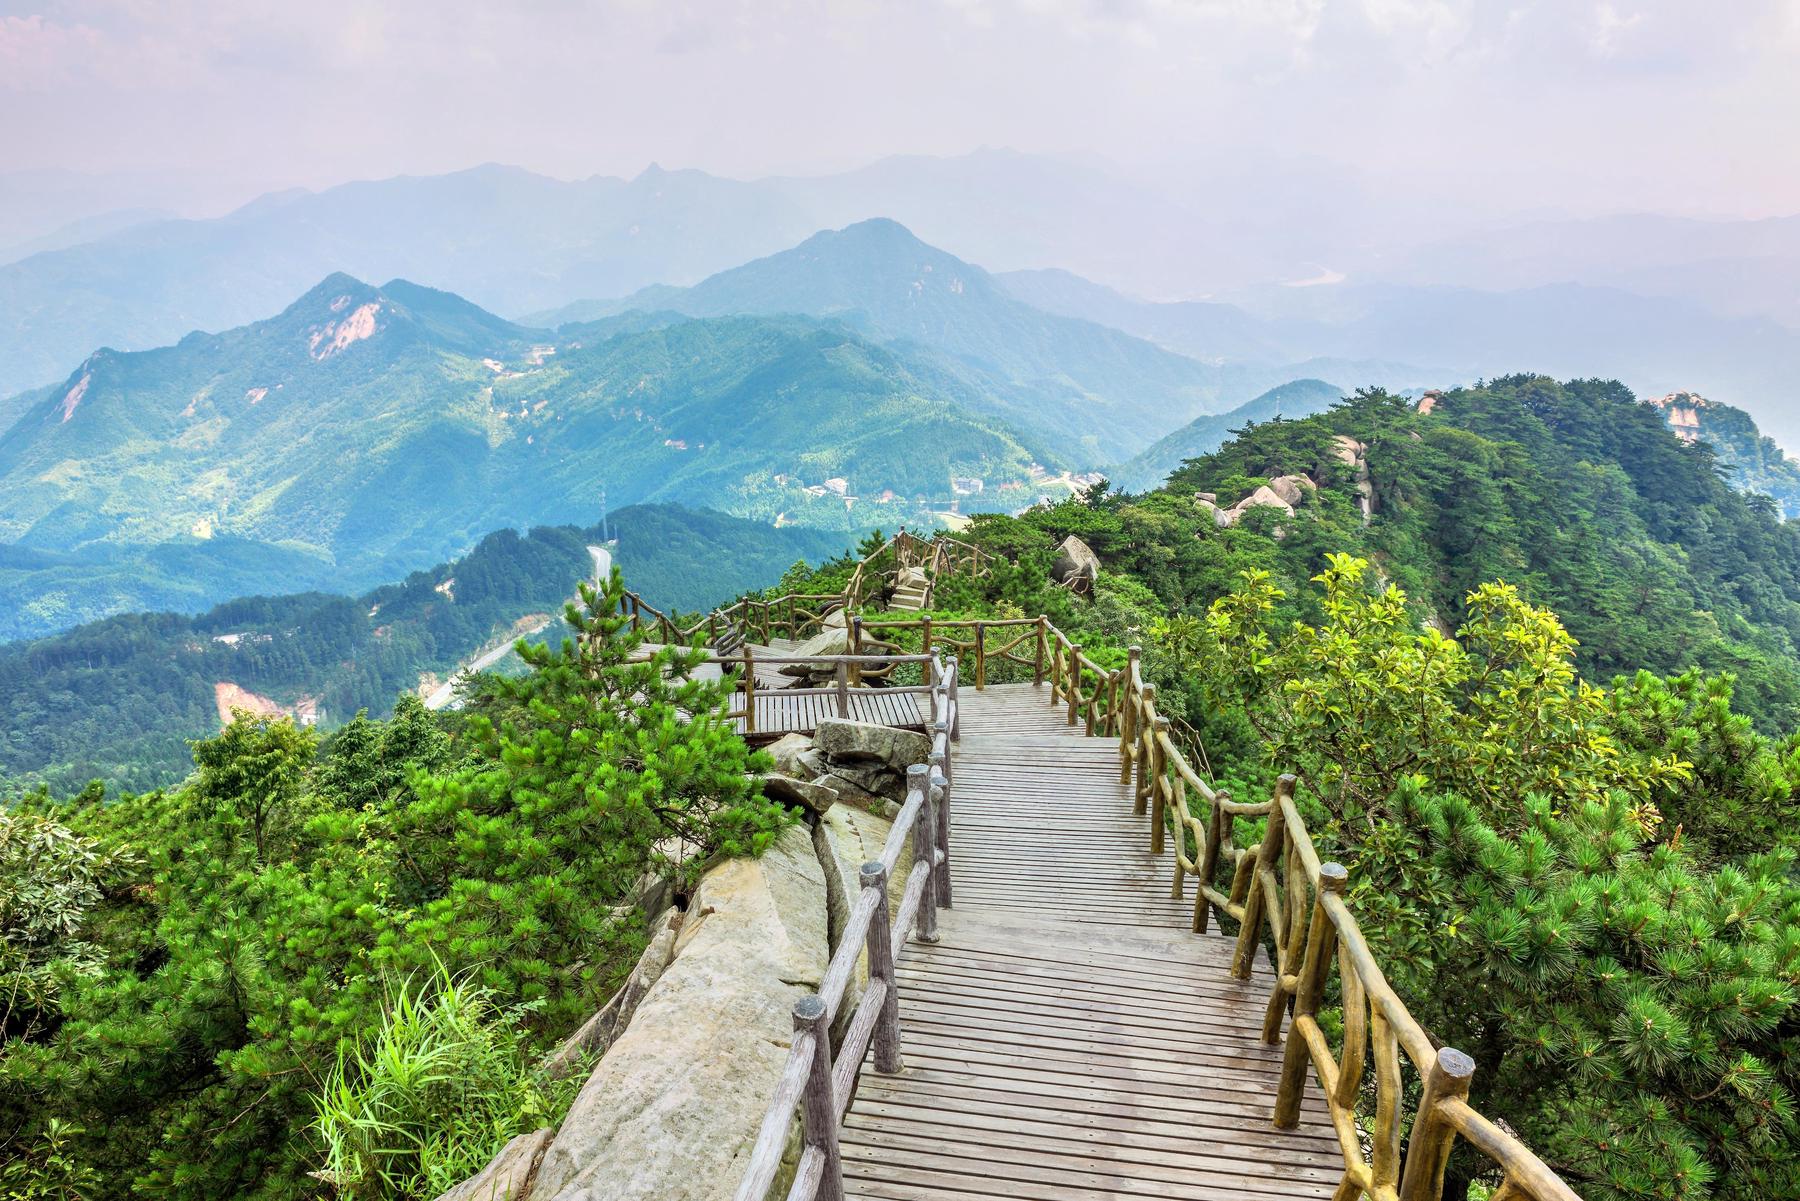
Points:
(510, 1175)
(1290, 488)
(796, 756)
(832, 640)
(1077, 565)
(815, 798)
(1264, 497)
(673, 1109)
(850, 742)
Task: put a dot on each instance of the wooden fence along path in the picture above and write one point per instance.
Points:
(1075, 1025)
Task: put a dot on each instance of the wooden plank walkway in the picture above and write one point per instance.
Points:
(1069, 1039)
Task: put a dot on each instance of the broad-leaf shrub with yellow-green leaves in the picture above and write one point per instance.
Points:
(1632, 1009)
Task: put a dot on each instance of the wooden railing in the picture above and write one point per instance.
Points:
(814, 1081)
(1279, 889)
(802, 614)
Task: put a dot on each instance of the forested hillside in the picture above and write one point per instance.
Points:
(367, 432)
(119, 700)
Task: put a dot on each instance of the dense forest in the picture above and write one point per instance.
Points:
(1529, 655)
(119, 700)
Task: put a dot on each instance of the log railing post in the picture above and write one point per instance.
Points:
(1217, 823)
(980, 655)
(856, 648)
(1037, 675)
(940, 788)
(1428, 1147)
(1321, 949)
(918, 777)
(843, 688)
(955, 669)
(1074, 679)
(925, 628)
(749, 690)
(1148, 766)
(1159, 786)
(880, 948)
(1128, 716)
(818, 1104)
(1268, 854)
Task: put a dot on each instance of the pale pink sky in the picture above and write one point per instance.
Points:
(1564, 105)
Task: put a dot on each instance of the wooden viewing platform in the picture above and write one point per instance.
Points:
(1068, 1038)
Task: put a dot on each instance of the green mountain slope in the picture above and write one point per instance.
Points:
(1094, 386)
(1203, 435)
(119, 699)
(366, 431)
(1752, 460)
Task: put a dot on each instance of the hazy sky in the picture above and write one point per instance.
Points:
(1674, 105)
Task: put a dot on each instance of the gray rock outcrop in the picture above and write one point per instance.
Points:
(1077, 566)
(673, 1108)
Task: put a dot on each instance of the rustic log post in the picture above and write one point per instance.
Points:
(1321, 948)
(1268, 852)
(918, 778)
(881, 967)
(818, 1104)
(1128, 717)
(856, 648)
(1159, 787)
(843, 688)
(980, 655)
(1037, 674)
(1428, 1147)
(925, 626)
(940, 788)
(749, 690)
(1074, 678)
(1217, 823)
(1149, 768)
(954, 668)
(942, 726)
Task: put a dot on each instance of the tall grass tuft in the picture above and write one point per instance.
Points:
(429, 1098)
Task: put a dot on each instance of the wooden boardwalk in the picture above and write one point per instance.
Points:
(1069, 1039)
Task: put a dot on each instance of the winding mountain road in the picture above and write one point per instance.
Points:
(444, 693)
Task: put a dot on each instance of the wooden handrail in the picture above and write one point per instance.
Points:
(813, 1081)
(1280, 888)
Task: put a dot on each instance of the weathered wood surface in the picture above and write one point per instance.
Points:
(1069, 1039)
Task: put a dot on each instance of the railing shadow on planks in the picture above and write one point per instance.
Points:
(1276, 888)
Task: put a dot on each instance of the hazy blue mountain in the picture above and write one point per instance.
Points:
(1735, 267)
(1102, 388)
(510, 240)
(366, 431)
(1292, 400)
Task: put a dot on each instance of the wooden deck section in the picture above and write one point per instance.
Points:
(1069, 1039)
(777, 714)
